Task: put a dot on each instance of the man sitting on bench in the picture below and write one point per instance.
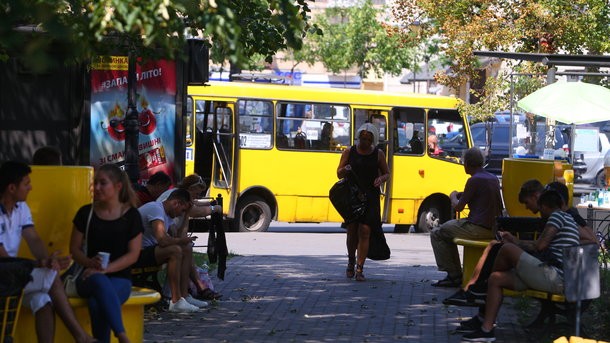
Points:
(475, 291)
(158, 247)
(45, 294)
(529, 264)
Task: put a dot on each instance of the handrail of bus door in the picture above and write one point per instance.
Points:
(222, 169)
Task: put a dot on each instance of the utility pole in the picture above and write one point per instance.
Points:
(131, 124)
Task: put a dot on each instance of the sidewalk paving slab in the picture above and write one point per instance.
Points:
(279, 298)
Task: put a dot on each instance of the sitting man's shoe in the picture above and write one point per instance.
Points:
(458, 298)
(477, 293)
(471, 325)
(182, 306)
(450, 282)
(479, 336)
(464, 298)
(208, 294)
(195, 302)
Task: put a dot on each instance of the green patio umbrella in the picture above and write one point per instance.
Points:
(569, 102)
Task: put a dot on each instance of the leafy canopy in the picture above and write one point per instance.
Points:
(356, 37)
(79, 29)
(539, 26)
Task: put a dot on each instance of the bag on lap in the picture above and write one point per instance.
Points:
(69, 277)
(76, 270)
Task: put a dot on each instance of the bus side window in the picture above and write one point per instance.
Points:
(409, 131)
(445, 127)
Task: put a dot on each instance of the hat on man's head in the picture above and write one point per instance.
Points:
(369, 128)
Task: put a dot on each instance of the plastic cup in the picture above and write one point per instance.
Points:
(105, 258)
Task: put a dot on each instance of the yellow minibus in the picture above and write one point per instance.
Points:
(271, 151)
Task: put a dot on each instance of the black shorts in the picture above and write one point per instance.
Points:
(146, 258)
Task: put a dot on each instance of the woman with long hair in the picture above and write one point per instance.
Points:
(110, 224)
(366, 164)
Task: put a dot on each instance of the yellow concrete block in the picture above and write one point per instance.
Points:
(57, 193)
(561, 339)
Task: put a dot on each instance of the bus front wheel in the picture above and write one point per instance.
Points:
(253, 215)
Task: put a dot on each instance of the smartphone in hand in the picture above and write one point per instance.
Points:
(498, 236)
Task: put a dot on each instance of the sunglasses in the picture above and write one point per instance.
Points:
(199, 182)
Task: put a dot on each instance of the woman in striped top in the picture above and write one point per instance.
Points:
(529, 264)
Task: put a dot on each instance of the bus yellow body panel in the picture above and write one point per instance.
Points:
(261, 168)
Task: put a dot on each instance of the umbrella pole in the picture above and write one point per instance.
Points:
(572, 139)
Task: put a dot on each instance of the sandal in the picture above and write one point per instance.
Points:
(448, 282)
(350, 270)
(359, 274)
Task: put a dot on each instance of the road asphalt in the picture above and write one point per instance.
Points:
(291, 287)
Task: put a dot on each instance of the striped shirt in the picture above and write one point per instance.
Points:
(567, 235)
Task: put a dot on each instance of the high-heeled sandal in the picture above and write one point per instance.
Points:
(359, 274)
(350, 270)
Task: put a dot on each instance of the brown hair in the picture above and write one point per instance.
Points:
(192, 180)
(529, 188)
(116, 175)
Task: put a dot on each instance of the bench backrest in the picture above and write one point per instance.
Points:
(57, 193)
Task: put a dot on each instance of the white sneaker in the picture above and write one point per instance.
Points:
(195, 302)
(182, 306)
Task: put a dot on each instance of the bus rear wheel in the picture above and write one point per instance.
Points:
(429, 219)
(253, 215)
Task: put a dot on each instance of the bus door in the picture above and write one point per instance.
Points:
(220, 124)
(379, 118)
(426, 165)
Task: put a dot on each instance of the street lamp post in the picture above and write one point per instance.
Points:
(131, 123)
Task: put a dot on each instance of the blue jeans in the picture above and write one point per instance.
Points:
(105, 297)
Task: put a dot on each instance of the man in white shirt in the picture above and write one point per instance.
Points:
(158, 247)
(45, 293)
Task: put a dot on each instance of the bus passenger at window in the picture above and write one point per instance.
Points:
(415, 143)
(369, 164)
(433, 147)
(326, 137)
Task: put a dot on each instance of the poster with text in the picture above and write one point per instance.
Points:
(156, 105)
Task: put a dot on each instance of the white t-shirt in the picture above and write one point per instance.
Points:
(165, 195)
(150, 212)
(12, 226)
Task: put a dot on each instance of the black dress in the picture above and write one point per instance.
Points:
(366, 168)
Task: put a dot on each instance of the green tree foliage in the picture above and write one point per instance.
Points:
(79, 29)
(356, 37)
(541, 26)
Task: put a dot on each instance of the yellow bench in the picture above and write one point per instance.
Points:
(57, 193)
(473, 249)
(132, 310)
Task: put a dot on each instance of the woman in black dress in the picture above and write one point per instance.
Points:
(367, 163)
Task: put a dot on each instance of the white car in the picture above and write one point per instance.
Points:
(595, 163)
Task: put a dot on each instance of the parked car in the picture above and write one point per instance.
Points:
(500, 142)
(594, 162)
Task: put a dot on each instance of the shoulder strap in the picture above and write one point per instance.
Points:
(87, 229)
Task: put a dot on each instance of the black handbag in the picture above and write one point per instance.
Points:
(348, 199)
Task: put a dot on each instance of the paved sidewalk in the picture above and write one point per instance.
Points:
(288, 298)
